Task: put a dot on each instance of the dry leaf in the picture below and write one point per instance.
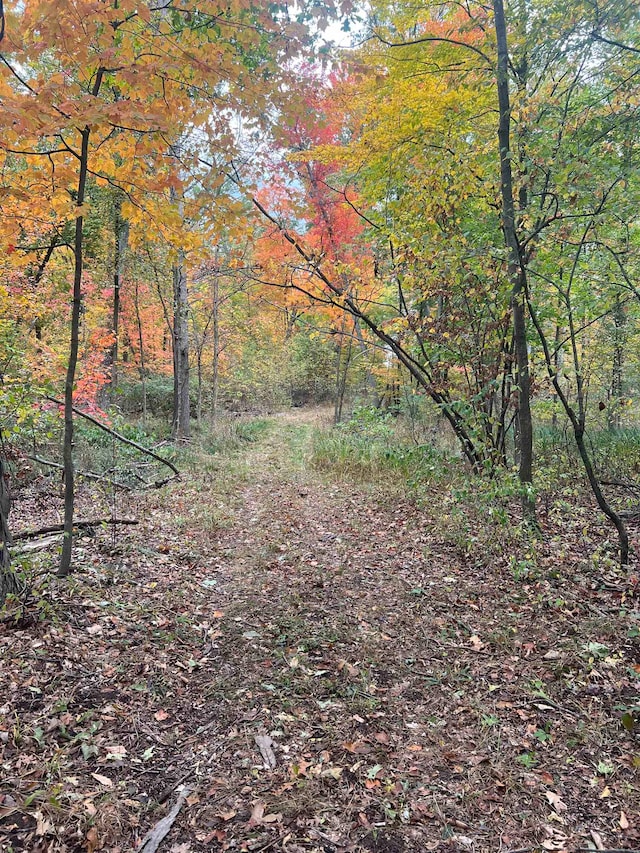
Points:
(555, 801)
(104, 780)
(43, 825)
(357, 747)
(624, 823)
(116, 752)
(257, 813)
(91, 840)
(272, 818)
(227, 815)
(160, 715)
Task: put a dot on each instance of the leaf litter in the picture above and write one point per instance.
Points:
(325, 669)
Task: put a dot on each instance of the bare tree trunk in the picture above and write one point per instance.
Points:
(121, 239)
(216, 348)
(615, 396)
(69, 485)
(9, 584)
(181, 405)
(369, 378)
(342, 385)
(337, 406)
(143, 377)
(516, 270)
(199, 397)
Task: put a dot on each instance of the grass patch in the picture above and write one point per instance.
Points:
(367, 447)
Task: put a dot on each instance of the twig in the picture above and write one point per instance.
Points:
(59, 528)
(153, 839)
(172, 787)
(119, 436)
(268, 845)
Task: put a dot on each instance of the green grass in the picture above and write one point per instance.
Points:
(368, 448)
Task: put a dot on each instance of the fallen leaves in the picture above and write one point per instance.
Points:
(387, 712)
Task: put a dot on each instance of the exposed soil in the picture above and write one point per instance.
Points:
(414, 695)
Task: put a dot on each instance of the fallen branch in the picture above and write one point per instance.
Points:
(622, 484)
(121, 438)
(88, 475)
(153, 839)
(42, 545)
(59, 528)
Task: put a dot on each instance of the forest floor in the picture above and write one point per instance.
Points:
(323, 669)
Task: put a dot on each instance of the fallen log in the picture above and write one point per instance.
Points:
(80, 524)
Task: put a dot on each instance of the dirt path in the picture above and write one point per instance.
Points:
(414, 698)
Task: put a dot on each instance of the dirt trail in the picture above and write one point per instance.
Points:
(414, 700)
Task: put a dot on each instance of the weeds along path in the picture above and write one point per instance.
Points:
(407, 697)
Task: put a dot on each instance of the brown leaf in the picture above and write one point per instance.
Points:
(476, 643)
(357, 747)
(227, 815)
(257, 813)
(43, 825)
(160, 715)
(624, 823)
(555, 801)
(91, 840)
(272, 818)
(104, 780)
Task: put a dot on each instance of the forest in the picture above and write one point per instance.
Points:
(319, 426)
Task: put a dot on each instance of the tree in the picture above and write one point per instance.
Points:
(100, 102)
(8, 578)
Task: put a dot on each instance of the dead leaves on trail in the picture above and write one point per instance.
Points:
(325, 673)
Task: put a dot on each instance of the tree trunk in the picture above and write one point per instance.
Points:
(615, 396)
(181, 428)
(337, 406)
(216, 348)
(69, 485)
(516, 271)
(9, 584)
(369, 384)
(199, 397)
(121, 235)
(143, 378)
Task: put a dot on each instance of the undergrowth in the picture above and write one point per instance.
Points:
(368, 447)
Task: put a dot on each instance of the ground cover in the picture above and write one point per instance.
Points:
(325, 667)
